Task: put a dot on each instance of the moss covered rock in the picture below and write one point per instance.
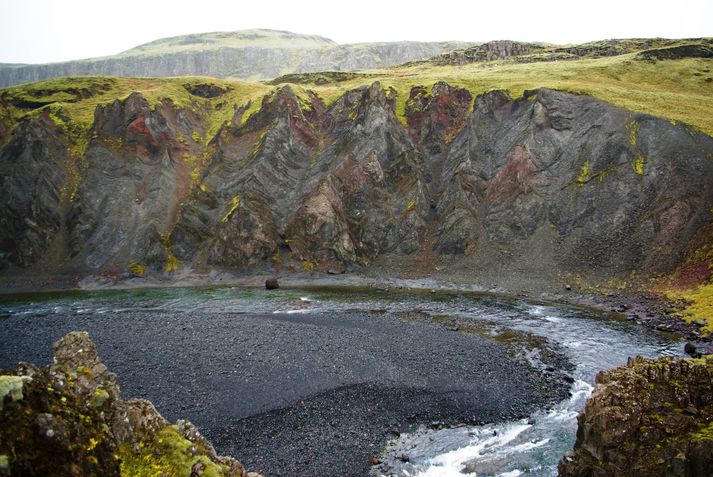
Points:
(69, 419)
(648, 418)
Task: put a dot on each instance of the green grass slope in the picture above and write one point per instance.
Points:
(72, 101)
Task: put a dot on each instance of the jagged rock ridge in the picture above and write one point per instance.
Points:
(548, 183)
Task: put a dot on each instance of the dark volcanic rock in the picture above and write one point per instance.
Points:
(33, 177)
(678, 52)
(548, 183)
(137, 174)
(205, 90)
(434, 119)
(651, 418)
(253, 184)
(371, 200)
(588, 187)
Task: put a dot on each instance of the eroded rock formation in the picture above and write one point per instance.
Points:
(648, 418)
(548, 183)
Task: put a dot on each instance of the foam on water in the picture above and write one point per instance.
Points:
(533, 446)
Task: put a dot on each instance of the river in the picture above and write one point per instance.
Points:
(590, 341)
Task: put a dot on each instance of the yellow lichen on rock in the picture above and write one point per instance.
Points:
(167, 454)
(137, 269)
(639, 160)
(583, 173)
(234, 204)
(12, 386)
(639, 163)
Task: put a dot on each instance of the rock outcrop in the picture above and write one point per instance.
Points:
(490, 51)
(520, 52)
(33, 168)
(70, 419)
(548, 183)
(648, 418)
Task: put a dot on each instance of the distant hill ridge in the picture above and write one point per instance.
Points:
(247, 54)
(522, 52)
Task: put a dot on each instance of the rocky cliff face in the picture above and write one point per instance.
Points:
(250, 54)
(548, 183)
(648, 418)
(70, 419)
(33, 167)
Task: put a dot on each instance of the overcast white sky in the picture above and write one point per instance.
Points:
(36, 31)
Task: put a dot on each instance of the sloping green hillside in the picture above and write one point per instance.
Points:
(677, 89)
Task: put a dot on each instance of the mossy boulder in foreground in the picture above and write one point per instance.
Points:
(648, 418)
(69, 419)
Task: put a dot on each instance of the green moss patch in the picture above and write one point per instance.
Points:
(167, 454)
(99, 397)
(700, 305)
(11, 386)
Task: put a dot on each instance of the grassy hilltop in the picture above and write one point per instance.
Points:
(249, 55)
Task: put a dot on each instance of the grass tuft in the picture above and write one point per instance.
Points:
(700, 305)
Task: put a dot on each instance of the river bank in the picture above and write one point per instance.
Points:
(293, 388)
(645, 308)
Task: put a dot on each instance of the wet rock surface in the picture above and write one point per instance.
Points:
(646, 309)
(68, 418)
(304, 393)
(650, 417)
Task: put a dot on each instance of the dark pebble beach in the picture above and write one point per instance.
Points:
(302, 394)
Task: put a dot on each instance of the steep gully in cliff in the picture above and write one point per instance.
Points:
(546, 184)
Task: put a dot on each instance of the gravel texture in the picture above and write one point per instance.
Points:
(304, 394)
